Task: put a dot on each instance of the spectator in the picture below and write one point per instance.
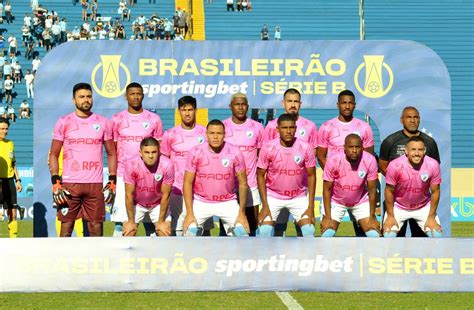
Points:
(120, 33)
(8, 86)
(29, 79)
(277, 33)
(46, 40)
(93, 33)
(11, 113)
(16, 72)
(35, 64)
(76, 33)
(56, 33)
(239, 6)
(168, 25)
(8, 13)
(30, 48)
(85, 7)
(27, 20)
(230, 5)
(2, 63)
(12, 45)
(74, 2)
(48, 23)
(2, 42)
(34, 5)
(63, 25)
(25, 33)
(126, 13)
(264, 34)
(1, 13)
(3, 112)
(94, 6)
(7, 68)
(24, 111)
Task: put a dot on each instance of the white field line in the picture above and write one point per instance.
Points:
(289, 301)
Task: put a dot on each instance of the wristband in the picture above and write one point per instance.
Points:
(113, 178)
(18, 180)
(55, 178)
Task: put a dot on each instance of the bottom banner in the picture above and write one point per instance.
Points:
(224, 264)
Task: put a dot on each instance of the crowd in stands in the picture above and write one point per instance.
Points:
(239, 6)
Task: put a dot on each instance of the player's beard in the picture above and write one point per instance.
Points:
(83, 109)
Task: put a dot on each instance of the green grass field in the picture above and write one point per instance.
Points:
(238, 300)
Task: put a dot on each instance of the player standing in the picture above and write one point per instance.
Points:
(78, 192)
(210, 187)
(148, 180)
(286, 177)
(247, 134)
(130, 127)
(306, 131)
(176, 144)
(350, 184)
(9, 178)
(412, 190)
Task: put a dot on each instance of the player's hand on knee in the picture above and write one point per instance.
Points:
(59, 193)
(327, 223)
(432, 228)
(163, 229)
(242, 219)
(130, 229)
(110, 189)
(307, 217)
(264, 216)
(373, 224)
(390, 224)
(188, 220)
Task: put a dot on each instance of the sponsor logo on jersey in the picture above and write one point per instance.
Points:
(200, 139)
(302, 132)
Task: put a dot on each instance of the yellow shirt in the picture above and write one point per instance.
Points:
(7, 159)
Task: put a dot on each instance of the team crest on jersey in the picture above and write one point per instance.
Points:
(302, 132)
(225, 162)
(64, 211)
(356, 132)
(96, 127)
(424, 176)
(249, 134)
(361, 173)
(297, 158)
(158, 177)
(200, 139)
(146, 125)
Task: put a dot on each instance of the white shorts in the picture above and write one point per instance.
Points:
(338, 211)
(253, 197)
(153, 213)
(227, 211)
(419, 215)
(295, 206)
(178, 214)
(119, 211)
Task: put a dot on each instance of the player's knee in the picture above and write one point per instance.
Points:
(66, 229)
(372, 233)
(435, 234)
(192, 230)
(390, 234)
(308, 230)
(95, 229)
(239, 231)
(328, 233)
(265, 231)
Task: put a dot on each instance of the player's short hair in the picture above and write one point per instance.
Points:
(215, 122)
(345, 92)
(80, 86)
(133, 85)
(187, 100)
(416, 139)
(239, 95)
(292, 91)
(352, 136)
(410, 108)
(4, 121)
(286, 117)
(149, 141)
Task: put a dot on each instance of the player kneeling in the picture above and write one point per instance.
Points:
(346, 179)
(412, 190)
(148, 180)
(286, 177)
(209, 186)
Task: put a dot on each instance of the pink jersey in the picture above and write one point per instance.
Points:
(176, 144)
(332, 134)
(412, 186)
(82, 146)
(248, 137)
(215, 179)
(287, 176)
(129, 131)
(148, 182)
(350, 180)
(305, 130)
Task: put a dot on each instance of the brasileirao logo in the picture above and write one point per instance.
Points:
(111, 85)
(374, 85)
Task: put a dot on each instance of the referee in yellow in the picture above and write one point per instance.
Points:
(9, 178)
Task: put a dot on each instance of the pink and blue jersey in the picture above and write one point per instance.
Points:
(287, 175)
(215, 173)
(148, 182)
(350, 179)
(82, 146)
(412, 186)
(176, 144)
(305, 130)
(248, 138)
(331, 134)
(129, 130)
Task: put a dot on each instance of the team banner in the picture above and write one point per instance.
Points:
(385, 76)
(220, 264)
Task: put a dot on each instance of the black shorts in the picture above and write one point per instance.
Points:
(8, 91)
(8, 194)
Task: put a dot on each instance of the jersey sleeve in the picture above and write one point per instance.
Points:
(310, 158)
(323, 136)
(372, 169)
(269, 133)
(165, 144)
(313, 138)
(58, 131)
(239, 162)
(129, 175)
(260, 131)
(108, 131)
(115, 127)
(191, 161)
(385, 149)
(328, 174)
(391, 174)
(368, 139)
(263, 161)
(168, 177)
(436, 177)
(158, 132)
